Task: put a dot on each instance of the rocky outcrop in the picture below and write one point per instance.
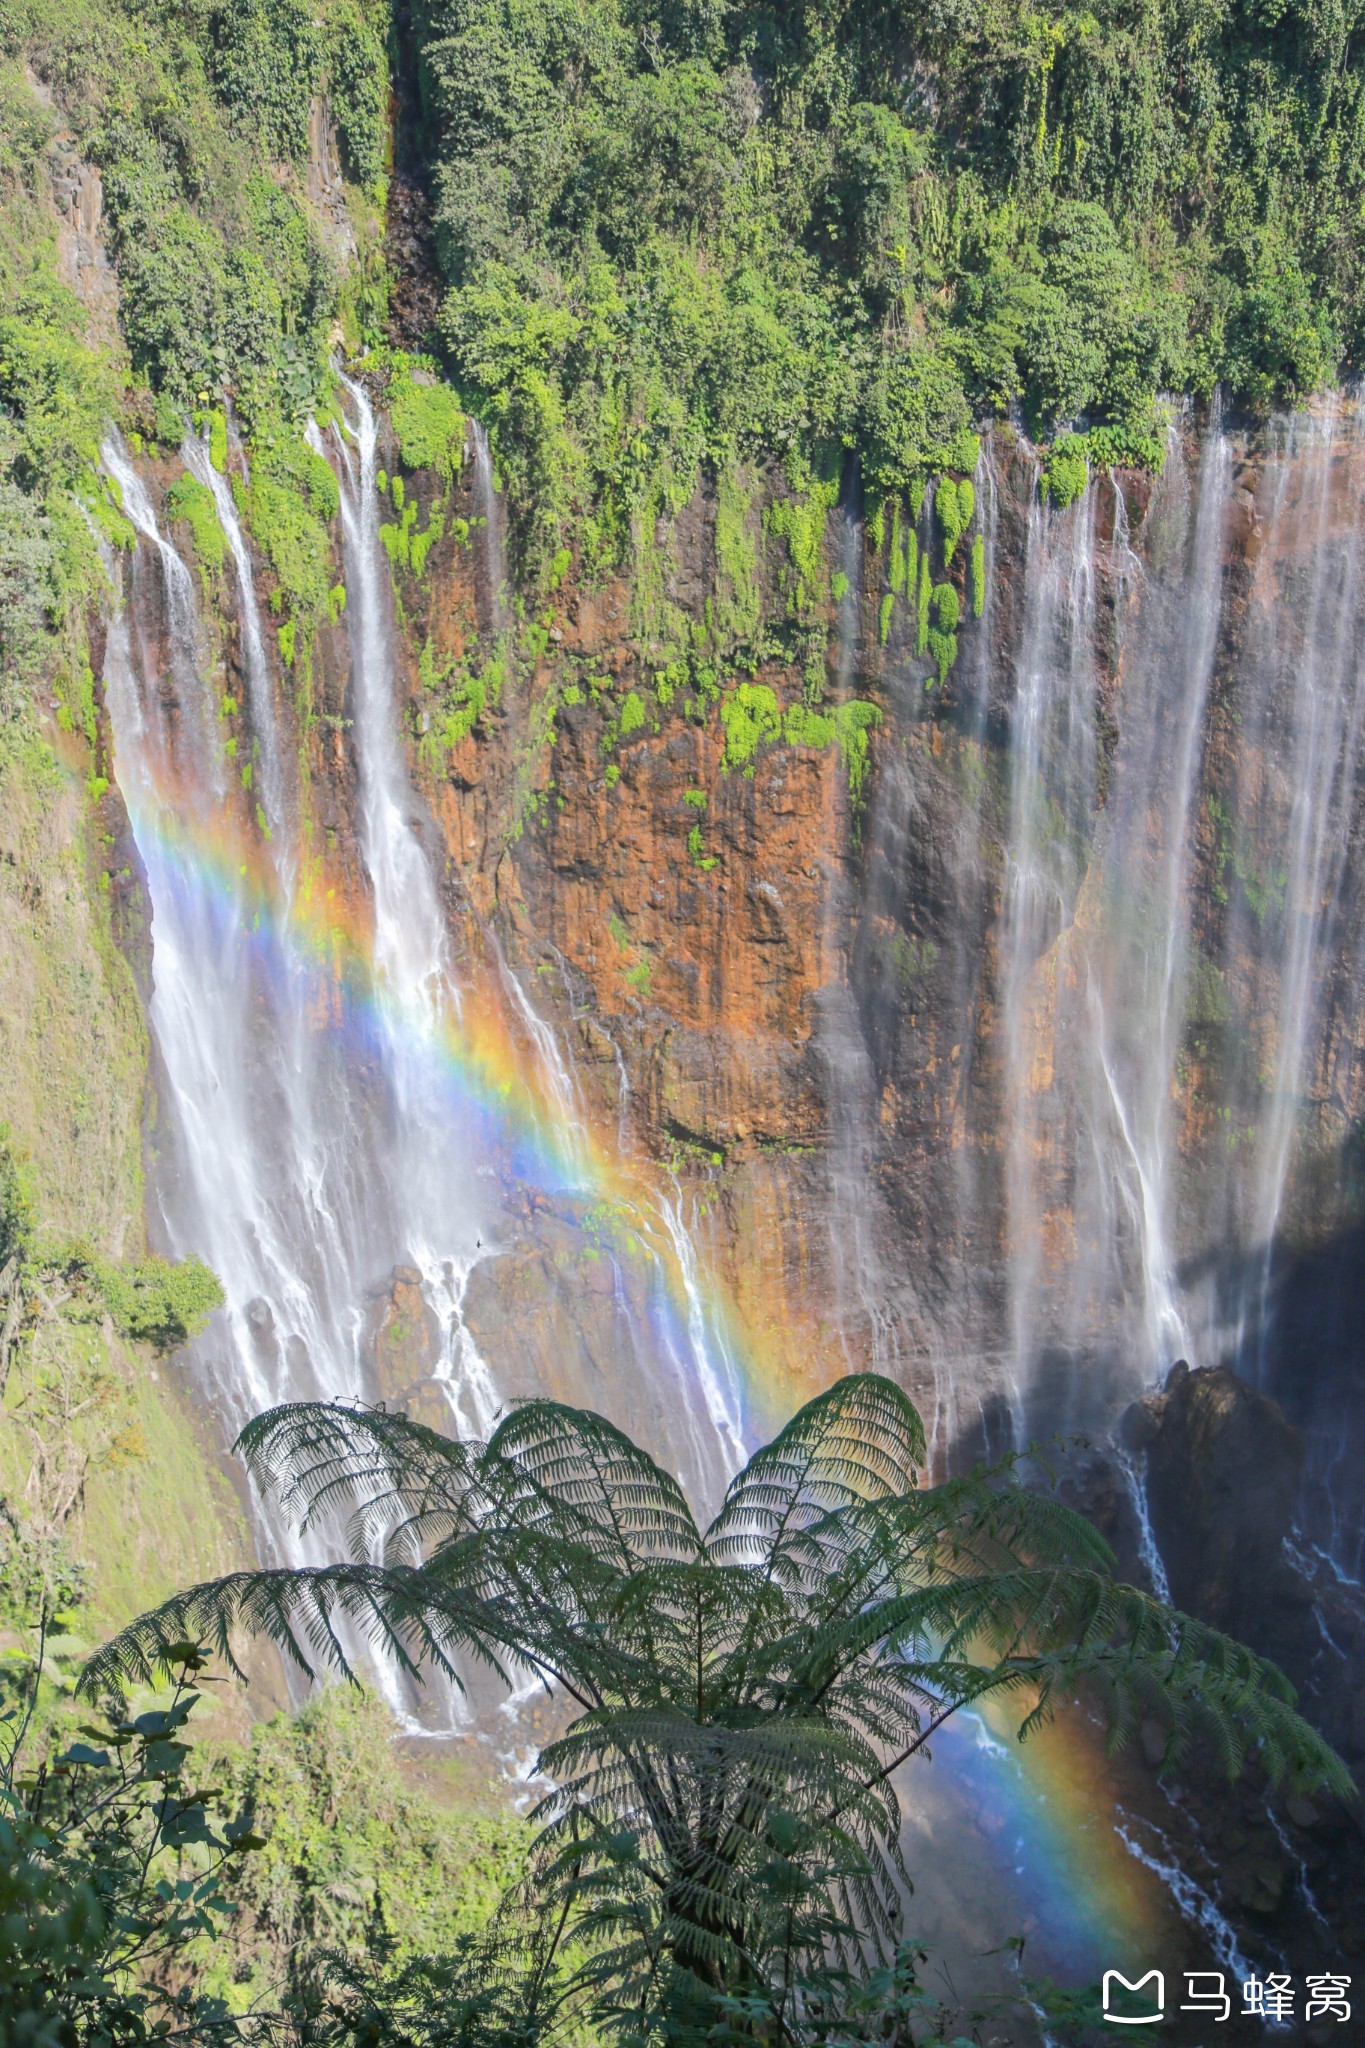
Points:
(1222, 1468)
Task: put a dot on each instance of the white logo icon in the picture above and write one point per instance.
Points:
(1133, 2019)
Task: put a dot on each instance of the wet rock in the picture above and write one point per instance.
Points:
(403, 1346)
(1357, 1728)
(1153, 1738)
(1223, 1468)
(1259, 1887)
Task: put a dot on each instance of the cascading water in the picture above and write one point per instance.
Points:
(1298, 805)
(1133, 924)
(1109, 960)
(268, 768)
(489, 501)
(433, 1215)
(1152, 935)
(1051, 801)
(314, 1143)
(244, 1182)
(244, 1177)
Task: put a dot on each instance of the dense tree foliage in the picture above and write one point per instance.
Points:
(227, 279)
(713, 228)
(720, 1848)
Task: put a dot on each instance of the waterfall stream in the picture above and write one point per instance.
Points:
(1051, 801)
(269, 768)
(1136, 1048)
(1109, 955)
(315, 1144)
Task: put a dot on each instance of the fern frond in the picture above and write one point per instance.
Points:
(325, 1458)
(575, 1462)
(308, 1614)
(860, 1440)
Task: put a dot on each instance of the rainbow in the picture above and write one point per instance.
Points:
(1044, 1810)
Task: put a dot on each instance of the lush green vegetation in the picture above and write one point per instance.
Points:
(718, 1855)
(229, 280)
(67, 1410)
(683, 236)
(355, 1862)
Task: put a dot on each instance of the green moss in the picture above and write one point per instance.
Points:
(942, 636)
(978, 576)
(289, 506)
(884, 618)
(1065, 473)
(922, 606)
(429, 422)
(947, 607)
(464, 697)
(397, 537)
(218, 442)
(638, 977)
(955, 503)
(896, 571)
(912, 961)
(632, 714)
(695, 799)
(192, 501)
(737, 610)
(750, 718)
(800, 521)
(846, 726)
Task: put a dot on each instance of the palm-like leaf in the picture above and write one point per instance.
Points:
(723, 1819)
(309, 1613)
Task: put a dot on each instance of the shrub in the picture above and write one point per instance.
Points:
(160, 1301)
(192, 501)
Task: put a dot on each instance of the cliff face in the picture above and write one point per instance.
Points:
(1007, 1044)
(1027, 1070)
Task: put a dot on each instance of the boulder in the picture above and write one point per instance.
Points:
(1223, 1466)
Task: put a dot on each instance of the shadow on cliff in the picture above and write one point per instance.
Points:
(1304, 1346)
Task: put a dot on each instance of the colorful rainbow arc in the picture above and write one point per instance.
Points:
(1047, 1801)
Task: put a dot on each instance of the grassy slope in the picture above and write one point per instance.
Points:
(72, 1065)
(73, 1046)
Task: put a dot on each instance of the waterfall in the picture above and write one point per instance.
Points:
(268, 768)
(489, 501)
(1136, 968)
(1298, 807)
(432, 1211)
(195, 737)
(317, 1147)
(1128, 1043)
(1138, 1070)
(283, 1141)
(1051, 800)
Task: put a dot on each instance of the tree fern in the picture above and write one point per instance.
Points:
(723, 1831)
